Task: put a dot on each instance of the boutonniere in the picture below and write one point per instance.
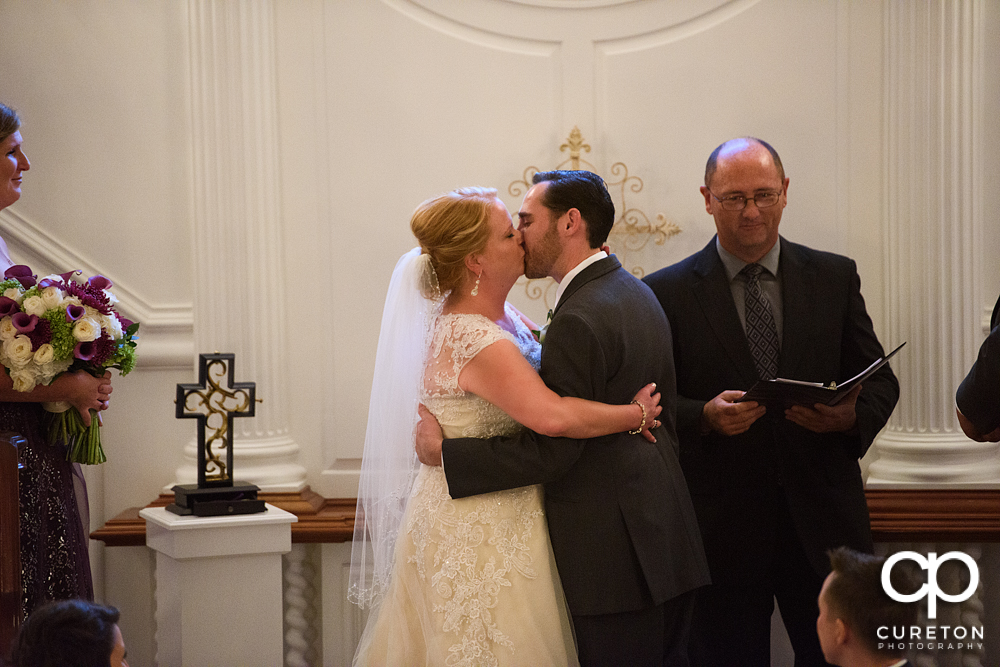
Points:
(540, 333)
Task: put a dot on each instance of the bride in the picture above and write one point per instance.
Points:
(470, 581)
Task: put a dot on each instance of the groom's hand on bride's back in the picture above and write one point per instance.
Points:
(428, 438)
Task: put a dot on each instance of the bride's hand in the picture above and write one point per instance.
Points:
(651, 403)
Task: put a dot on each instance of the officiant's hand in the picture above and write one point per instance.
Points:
(428, 438)
(724, 416)
(827, 418)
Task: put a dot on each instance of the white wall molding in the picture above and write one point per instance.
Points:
(165, 332)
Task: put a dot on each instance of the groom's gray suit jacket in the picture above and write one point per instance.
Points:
(620, 517)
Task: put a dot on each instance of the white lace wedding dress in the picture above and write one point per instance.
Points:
(474, 581)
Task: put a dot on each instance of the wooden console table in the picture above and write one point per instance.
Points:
(897, 515)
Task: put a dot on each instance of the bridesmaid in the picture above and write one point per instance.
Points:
(55, 520)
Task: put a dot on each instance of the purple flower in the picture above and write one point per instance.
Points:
(74, 312)
(99, 282)
(48, 282)
(69, 274)
(22, 274)
(41, 334)
(24, 323)
(84, 351)
(8, 306)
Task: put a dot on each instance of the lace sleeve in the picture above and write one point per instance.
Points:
(457, 340)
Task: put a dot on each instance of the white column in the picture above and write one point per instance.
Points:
(218, 586)
(933, 235)
(239, 287)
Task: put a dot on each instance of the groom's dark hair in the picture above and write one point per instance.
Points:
(586, 192)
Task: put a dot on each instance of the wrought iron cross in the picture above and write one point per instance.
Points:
(215, 407)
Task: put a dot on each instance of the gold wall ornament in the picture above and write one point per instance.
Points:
(633, 229)
(574, 143)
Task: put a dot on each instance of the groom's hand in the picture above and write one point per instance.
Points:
(428, 438)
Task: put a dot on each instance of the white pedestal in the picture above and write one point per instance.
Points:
(218, 587)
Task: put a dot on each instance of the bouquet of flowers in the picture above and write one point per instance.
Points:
(58, 325)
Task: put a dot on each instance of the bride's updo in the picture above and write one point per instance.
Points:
(452, 226)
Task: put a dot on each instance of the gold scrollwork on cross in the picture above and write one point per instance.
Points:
(633, 229)
(215, 406)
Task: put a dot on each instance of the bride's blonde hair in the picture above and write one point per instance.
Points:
(452, 226)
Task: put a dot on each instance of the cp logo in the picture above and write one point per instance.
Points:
(930, 590)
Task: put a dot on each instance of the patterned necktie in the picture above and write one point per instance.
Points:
(762, 335)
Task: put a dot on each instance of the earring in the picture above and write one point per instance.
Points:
(475, 289)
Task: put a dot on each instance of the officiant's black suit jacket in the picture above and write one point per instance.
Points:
(827, 336)
(623, 529)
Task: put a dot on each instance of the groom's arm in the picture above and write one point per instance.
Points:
(573, 364)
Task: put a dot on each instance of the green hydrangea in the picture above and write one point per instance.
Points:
(62, 333)
(124, 357)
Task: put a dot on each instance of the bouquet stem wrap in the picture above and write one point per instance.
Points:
(64, 426)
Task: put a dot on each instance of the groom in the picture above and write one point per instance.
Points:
(623, 530)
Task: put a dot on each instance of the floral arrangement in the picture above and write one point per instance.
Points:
(58, 325)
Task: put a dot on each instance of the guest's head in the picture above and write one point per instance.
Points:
(565, 215)
(745, 191)
(70, 633)
(853, 606)
(469, 236)
(13, 159)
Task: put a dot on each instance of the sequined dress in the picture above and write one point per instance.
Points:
(55, 564)
(474, 581)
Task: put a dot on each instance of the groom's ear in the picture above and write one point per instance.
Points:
(573, 223)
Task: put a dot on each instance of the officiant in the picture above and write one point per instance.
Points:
(773, 490)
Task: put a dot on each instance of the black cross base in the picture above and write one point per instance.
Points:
(240, 498)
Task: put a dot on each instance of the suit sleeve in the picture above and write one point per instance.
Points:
(860, 347)
(978, 396)
(573, 364)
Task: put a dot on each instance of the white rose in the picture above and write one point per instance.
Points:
(33, 305)
(86, 329)
(14, 293)
(112, 299)
(44, 354)
(111, 324)
(18, 351)
(7, 329)
(24, 379)
(52, 297)
(72, 301)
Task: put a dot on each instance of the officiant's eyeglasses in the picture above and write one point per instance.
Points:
(739, 202)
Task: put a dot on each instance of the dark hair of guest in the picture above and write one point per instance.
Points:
(855, 595)
(67, 633)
